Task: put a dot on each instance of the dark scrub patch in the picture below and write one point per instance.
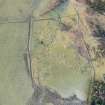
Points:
(98, 93)
(98, 6)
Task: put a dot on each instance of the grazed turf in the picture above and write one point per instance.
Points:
(15, 85)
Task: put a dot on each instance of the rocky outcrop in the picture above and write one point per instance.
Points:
(43, 96)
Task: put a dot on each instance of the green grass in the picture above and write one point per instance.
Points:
(15, 85)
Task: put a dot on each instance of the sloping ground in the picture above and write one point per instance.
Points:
(52, 51)
(56, 62)
(57, 58)
(96, 23)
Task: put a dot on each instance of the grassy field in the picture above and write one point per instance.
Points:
(17, 8)
(57, 62)
(15, 84)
